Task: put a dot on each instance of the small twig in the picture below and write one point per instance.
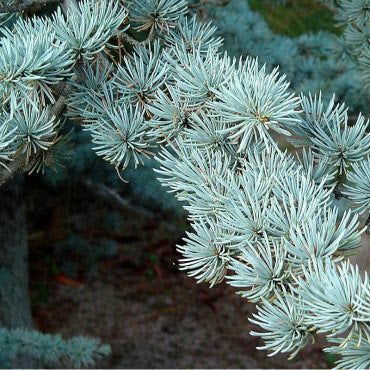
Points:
(67, 89)
(19, 164)
(120, 58)
(111, 56)
(134, 42)
(116, 201)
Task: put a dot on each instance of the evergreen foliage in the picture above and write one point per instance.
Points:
(50, 349)
(314, 62)
(261, 217)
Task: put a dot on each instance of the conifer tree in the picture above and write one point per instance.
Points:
(141, 74)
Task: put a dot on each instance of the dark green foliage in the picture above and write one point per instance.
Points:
(79, 256)
(297, 17)
(310, 59)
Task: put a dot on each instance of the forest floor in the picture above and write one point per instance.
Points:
(151, 313)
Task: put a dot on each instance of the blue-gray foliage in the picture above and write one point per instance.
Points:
(264, 219)
(50, 349)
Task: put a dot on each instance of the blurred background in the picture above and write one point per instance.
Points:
(103, 260)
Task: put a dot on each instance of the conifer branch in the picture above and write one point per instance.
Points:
(257, 212)
(51, 349)
(25, 5)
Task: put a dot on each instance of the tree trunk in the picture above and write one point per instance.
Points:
(15, 310)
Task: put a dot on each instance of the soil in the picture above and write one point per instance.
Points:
(151, 313)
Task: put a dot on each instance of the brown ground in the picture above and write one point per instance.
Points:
(152, 314)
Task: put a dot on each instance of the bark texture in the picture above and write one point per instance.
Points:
(15, 310)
